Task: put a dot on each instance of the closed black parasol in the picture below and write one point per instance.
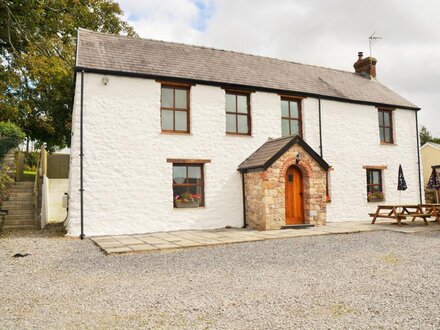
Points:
(401, 185)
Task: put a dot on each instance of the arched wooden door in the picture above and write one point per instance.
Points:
(294, 196)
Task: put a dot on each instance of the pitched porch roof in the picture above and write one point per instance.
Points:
(273, 149)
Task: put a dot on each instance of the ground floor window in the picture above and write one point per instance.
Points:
(188, 184)
(374, 185)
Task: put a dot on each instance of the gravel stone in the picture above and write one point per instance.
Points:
(366, 280)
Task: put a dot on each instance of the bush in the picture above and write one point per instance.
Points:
(10, 137)
(30, 160)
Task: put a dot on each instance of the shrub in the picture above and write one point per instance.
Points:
(30, 160)
(5, 181)
(10, 137)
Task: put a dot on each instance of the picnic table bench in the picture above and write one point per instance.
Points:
(433, 209)
(400, 212)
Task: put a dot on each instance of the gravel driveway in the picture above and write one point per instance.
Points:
(367, 280)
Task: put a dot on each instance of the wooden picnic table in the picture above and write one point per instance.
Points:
(433, 209)
(399, 212)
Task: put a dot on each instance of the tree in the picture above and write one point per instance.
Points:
(425, 136)
(37, 56)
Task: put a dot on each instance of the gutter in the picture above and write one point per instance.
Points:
(418, 159)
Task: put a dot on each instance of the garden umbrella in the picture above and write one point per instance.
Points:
(434, 182)
(401, 183)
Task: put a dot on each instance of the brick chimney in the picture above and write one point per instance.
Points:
(365, 66)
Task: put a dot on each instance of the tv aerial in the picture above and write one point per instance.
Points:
(372, 39)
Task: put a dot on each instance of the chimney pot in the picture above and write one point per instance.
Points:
(360, 55)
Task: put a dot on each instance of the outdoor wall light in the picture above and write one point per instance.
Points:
(298, 157)
(105, 80)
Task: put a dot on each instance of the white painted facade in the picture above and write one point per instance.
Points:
(128, 182)
(52, 209)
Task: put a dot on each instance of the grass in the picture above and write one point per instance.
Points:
(29, 175)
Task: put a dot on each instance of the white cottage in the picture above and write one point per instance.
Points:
(256, 141)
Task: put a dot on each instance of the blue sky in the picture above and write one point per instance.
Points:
(325, 33)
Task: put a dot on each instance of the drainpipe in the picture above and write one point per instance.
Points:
(418, 158)
(244, 199)
(320, 126)
(81, 156)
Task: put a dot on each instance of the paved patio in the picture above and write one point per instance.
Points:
(197, 238)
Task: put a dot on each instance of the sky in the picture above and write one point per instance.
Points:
(327, 33)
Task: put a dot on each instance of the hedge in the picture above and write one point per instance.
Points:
(10, 137)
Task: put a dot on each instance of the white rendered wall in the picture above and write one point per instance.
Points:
(128, 182)
(56, 211)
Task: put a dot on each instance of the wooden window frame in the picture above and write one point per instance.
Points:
(236, 113)
(298, 119)
(174, 109)
(202, 179)
(383, 127)
(380, 184)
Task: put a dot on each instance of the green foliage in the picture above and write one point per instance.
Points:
(5, 181)
(425, 136)
(10, 137)
(37, 57)
(30, 160)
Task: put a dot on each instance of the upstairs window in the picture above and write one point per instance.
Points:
(238, 118)
(291, 123)
(386, 126)
(174, 109)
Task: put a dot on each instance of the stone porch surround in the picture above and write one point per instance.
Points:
(265, 191)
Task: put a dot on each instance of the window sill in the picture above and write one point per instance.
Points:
(239, 134)
(189, 208)
(387, 144)
(175, 133)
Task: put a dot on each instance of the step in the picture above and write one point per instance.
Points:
(24, 183)
(21, 197)
(18, 227)
(20, 190)
(15, 217)
(17, 204)
(29, 212)
(18, 222)
(300, 226)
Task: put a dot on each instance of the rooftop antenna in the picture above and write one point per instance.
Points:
(372, 40)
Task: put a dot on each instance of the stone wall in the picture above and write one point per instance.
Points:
(265, 192)
(9, 162)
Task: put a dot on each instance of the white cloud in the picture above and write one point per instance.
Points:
(327, 33)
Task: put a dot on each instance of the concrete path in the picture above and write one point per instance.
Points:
(197, 238)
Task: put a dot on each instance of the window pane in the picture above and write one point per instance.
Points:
(380, 118)
(167, 119)
(376, 177)
(376, 189)
(294, 110)
(285, 127)
(195, 190)
(167, 98)
(243, 124)
(181, 120)
(194, 174)
(387, 134)
(179, 174)
(284, 108)
(382, 134)
(387, 118)
(242, 104)
(230, 103)
(179, 190)
(294, 127)
(181, 99)
(230, 123)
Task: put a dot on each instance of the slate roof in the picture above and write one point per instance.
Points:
(273, 149)
(113, 54)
